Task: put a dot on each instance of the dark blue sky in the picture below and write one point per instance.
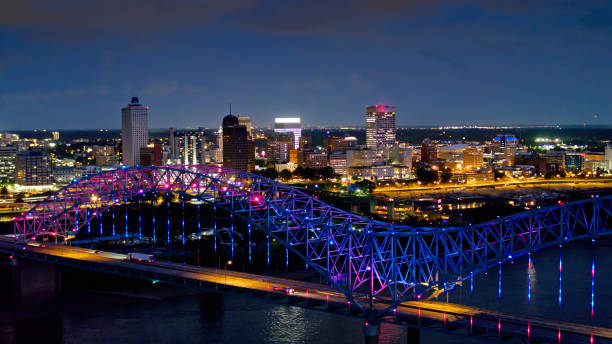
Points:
(72, 64)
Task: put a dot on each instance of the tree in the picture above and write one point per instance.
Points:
(426, 175)
(365, 186)
(285, 174)
(327, 172)
(270, 173)
(446, 175)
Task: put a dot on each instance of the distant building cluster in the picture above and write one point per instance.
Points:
(53, 161)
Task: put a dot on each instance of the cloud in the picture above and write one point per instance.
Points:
(79, 19)
(165, 87)
(40, 95)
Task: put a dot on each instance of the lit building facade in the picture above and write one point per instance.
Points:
(33, 168)
(238, 147)
(289, 125)
(105, 155)
(473, 157)
(429, 151)
(7, 163)
(187, 147)
(380, 126)
(134, 131)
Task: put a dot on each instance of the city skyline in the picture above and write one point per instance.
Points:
(440, 62)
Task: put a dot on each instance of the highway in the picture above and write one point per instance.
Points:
(462, 319)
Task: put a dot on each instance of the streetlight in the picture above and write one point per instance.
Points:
(229, 262)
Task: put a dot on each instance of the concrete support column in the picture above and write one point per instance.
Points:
(34, 281)
(371, 332)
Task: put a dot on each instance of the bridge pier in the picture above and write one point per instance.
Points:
(371, 332)
(34, 281)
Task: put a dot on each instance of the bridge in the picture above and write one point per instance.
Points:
(376, 268)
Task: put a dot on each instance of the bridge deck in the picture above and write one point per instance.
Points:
(468, 320)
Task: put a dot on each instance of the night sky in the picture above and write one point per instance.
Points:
(73, 64)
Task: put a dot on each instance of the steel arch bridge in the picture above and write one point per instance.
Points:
(355, 254)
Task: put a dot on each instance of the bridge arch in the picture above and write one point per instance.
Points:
(357, 255)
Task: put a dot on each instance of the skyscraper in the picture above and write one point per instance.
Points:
(134, 131)
(238, 147)
(289, 125)
(380, 125)
(246, 121)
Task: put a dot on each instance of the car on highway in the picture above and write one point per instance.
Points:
(286, 290)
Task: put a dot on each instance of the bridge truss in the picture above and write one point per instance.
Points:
(357, 255)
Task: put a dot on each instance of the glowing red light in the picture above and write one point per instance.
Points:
(499, 326)
(528, 330)
(559, 335)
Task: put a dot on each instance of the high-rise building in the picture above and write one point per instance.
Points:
(33, 168)
(289, 125)
(7, 163)
(380, 125)
(187, 147)
(429, 151)
(608, 155)
(134, 131)
(246, 121)
(279, 147)
(55, 135)
(172, 144)
(238, 147)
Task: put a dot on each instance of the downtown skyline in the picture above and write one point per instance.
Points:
(465, 62)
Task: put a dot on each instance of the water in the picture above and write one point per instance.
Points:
(87, 317)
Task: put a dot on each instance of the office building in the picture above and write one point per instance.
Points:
(7, 163)
(608, 156)
(55, 135)
(289, 125)
(246, 122)
(473, 158)
(151, 155)
(429, 151)
(380, 126)
(574, 162)
(279, 147)
(33, 168)
(187, 147)
(134, 131)
(105, 155)
(238, 147)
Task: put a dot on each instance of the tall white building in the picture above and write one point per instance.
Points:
(608, 155)
(289, 125)
(380, 126)
(134, 131)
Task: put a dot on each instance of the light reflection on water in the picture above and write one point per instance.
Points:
(211, 318)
